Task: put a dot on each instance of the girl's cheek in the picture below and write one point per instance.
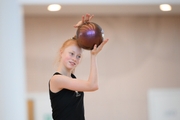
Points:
(67, 57)
(66, 60)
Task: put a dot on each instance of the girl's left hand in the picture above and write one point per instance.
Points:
(85, 18)
(96, 49)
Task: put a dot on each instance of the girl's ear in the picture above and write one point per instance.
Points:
(60, 53)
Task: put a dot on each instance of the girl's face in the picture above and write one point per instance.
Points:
(70, 56)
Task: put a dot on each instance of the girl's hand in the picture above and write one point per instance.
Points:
(85, 19)
(96, 49)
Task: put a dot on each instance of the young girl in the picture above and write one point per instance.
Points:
(66, 91)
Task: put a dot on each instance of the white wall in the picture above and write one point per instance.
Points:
(12, 62)
(143, 53)
(164, 104)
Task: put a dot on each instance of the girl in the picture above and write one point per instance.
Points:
(66, 91)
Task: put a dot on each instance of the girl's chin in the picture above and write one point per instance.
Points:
(70, 68)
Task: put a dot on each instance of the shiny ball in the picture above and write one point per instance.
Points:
(88, 35)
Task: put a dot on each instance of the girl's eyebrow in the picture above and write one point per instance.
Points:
(72, 51)
(75, 52)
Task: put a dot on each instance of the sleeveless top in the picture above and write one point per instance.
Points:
(67, 104)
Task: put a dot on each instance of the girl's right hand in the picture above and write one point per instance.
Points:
(96, 49)
(85, 18)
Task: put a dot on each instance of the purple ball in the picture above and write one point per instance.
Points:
(88, 35)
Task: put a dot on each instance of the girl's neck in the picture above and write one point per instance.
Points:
(64, 71)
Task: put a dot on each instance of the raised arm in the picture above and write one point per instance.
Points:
(59, 82)
(93, 76)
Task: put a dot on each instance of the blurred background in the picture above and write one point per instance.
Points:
(139, 76)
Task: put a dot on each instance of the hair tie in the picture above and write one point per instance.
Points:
(74, 38)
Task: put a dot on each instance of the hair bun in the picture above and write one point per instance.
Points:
(74, 38)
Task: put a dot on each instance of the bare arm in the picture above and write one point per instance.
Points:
(59, 82)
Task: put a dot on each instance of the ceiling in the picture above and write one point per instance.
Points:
(67, 10)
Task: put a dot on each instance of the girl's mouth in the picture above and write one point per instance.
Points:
(72, 63)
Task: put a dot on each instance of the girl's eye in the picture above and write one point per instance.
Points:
(78, 56)
(71, 53)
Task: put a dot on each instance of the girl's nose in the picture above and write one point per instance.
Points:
(74, 58)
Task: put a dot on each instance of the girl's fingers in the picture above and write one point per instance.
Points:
(78, 24)
(95, 47)
(103, 43)
(88, 17)
(83, 19)
(99, 48)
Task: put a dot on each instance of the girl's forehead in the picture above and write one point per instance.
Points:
(74, 48)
